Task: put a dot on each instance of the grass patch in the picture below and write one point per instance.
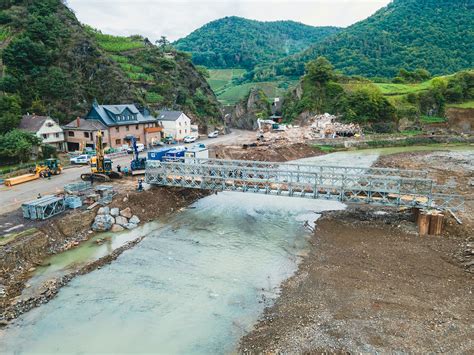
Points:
(140, 76)
(410, 133)
(119, 58)
(117, 44)
(402, 89)
(432, 119)
(468, 104)
(325, 148)
(130, 68)
(153, 97)
(4, 33)
(7, 238)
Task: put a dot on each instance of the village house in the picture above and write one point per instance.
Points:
(175, 124)
(46, 128)
(117, 122)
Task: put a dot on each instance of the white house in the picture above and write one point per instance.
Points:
(45, 128)
(175, 124)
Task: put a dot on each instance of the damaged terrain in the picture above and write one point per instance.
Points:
(371, 284)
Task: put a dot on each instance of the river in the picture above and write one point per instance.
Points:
(195, 284)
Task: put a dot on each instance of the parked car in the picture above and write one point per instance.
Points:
(190, 139)
(213, 134)
(80, 159)
(140, 148)
(169, 140)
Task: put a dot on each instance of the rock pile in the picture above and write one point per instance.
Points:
(114, 220)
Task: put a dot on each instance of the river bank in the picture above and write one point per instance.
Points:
(20, 258)
(370, 284)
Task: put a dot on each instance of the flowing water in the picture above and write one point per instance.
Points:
(195, 284)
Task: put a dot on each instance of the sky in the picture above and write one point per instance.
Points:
(177, 18)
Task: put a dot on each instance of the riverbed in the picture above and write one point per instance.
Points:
(196, 284)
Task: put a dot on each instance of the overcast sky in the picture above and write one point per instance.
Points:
(177, 18)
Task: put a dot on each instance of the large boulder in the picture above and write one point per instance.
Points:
(134, 220)
(127, 213)
(114, 212)
(122, 221)
(117, 228)
(103, 223)
(103, 210)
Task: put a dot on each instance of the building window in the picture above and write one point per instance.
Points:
(45, 136)
(138, 139)
(127, 127)
(179, 131)
(70, 134)
(136, 127)
(117, 129)
(118, 142)
(57, 135)
(86, 134)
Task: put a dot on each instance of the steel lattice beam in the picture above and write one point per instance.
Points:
(390, 187)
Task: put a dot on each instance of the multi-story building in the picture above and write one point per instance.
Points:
(46, 128)
(117, 122)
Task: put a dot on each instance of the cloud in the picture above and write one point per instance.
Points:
(177, 18)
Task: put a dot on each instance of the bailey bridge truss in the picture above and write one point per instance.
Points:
(377, 186)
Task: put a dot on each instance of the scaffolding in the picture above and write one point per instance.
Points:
(377, 186)
(44, 208)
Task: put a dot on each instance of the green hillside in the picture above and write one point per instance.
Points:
(229, 90)
(436, 35)
(377, 106)
(51, 64)
(235, 42)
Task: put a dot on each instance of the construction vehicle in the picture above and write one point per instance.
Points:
(101, 167)
(44, 170)
(137, 163)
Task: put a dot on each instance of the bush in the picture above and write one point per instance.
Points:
(48, 151)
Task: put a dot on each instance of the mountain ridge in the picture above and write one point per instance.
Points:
(237, 42)
(435, 35)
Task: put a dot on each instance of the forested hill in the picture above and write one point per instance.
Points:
(436, 35)
(235, 42)
(51, 64)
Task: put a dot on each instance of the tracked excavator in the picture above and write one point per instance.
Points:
(101, 167)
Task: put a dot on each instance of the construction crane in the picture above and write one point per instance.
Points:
(101, 167)
(137, 162)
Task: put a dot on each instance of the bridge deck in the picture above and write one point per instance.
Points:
(391, 187)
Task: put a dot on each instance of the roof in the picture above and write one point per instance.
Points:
(169, 115)
(86, 125)
(107, 113)
(32, 123)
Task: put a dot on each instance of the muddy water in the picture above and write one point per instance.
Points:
(194, 285)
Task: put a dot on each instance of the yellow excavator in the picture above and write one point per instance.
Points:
(101, 167)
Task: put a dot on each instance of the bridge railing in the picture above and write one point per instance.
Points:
(305, 167)
(335, 183)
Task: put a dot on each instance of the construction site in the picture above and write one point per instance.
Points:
(375, 246)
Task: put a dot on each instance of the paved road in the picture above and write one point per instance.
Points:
(11, 198)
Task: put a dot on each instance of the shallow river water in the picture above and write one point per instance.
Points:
(195, 284)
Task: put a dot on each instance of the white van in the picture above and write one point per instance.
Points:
(140, 148)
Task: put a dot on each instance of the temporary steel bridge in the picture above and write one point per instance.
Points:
(377, 186)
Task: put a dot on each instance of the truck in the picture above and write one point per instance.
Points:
(197, 151)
